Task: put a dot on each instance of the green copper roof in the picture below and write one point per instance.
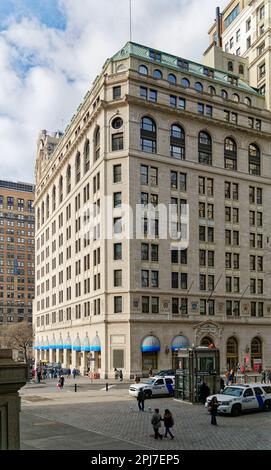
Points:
(143, 52)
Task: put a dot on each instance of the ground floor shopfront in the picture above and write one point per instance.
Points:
(135, 347)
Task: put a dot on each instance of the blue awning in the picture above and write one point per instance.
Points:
(67, 344)
(52, 344)
(86, 345)
(150, 344)
(96, 344)
(59, 343)
(179, 342)
(76, 344)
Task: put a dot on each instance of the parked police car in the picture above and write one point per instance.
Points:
(154, 386)
(242, 397)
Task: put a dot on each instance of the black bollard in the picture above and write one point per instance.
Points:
(75, 387)
(106, 386)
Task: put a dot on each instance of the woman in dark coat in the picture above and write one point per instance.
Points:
(213, 409)
(168, 423)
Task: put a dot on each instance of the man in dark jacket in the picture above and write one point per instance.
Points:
(141, 399)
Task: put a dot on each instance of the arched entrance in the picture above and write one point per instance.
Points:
(150, 348)
(256, 356)
(179, 342)
(232, 354)
(206, 341)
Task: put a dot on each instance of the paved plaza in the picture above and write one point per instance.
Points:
(94, 418)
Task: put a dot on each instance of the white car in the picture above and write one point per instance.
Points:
(241, 397)
(154, 386)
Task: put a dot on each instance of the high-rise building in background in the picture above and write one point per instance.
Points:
(160, 129)
(17, 252)
(242, 30)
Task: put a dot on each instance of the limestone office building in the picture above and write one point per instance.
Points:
(160, 129)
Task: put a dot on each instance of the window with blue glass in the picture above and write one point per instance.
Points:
(198, 86)
(155, 55)
(182, 103)
(143, 70)
(200, 108)
(172, 78)
(209, 110)
(224, 94)
(148, 135)
(177, 142)
(173, 101)
(153, 95)
(157, 74)
(143, 92)
(183, 64)
(185, 82)
(231, 17)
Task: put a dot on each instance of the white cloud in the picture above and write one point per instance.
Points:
(46, 72)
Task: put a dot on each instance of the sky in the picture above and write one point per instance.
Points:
(52, 50)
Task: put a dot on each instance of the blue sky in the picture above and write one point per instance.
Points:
(47, 11)
(52, 50)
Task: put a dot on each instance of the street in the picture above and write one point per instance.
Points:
(93, 418)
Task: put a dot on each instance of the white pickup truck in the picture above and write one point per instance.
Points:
(242, 397)
(154, 386)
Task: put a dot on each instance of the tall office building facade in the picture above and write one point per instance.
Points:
(159, 129)
(242, 30)
(17, 257)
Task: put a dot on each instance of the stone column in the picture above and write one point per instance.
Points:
(13, 376)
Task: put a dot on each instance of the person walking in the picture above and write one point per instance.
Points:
(263, 376)
(269, 376)
(168, 423)
(39, 376)
(150, 372)
(141, 399)
(68, 373)
(61, 381)
(213, 409)
(156, 424)
(74, 372)
(121, 375)
(116, 373)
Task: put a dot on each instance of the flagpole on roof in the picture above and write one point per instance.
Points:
(130, 2)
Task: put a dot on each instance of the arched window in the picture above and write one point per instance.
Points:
(224, 94)
(68, 179)
(157, 74)
(172, 78)
(185, 82)
(60, 189)
(230, 154)
(241, 69)
(177, 142)
(230, 66)
(38, 217)
(97, 138)
(212, 90)
(236, 97)
(206, 341)
(256, 353)
(54, 198)
(198, 86)
(42, 212)
(86, 156)
(254, 160)
(247, 101)
(47, 206)
(205, 148)
(143, 70)
(232, 354)
(148, 135)
(77, 167)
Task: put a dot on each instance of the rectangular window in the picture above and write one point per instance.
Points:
(117, 251)
(117, 277)
(145, 304)
(118, 304)
(153, 96)
(117, 142)
(175, 280)
(144, 278)
(117, 200)
(116, 92)
(228, 260)
(154, 278)
(182, 179)
(202, 282)
(155, 253)
(117, 174)
(202, 307)
(200, 108)
(144, 175)
(182, 103)
(173, 101)
(144, 92)
(173, 180)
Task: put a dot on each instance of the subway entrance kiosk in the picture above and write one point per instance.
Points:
(197, 368)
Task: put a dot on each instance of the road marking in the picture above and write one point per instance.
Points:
(109, 386)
